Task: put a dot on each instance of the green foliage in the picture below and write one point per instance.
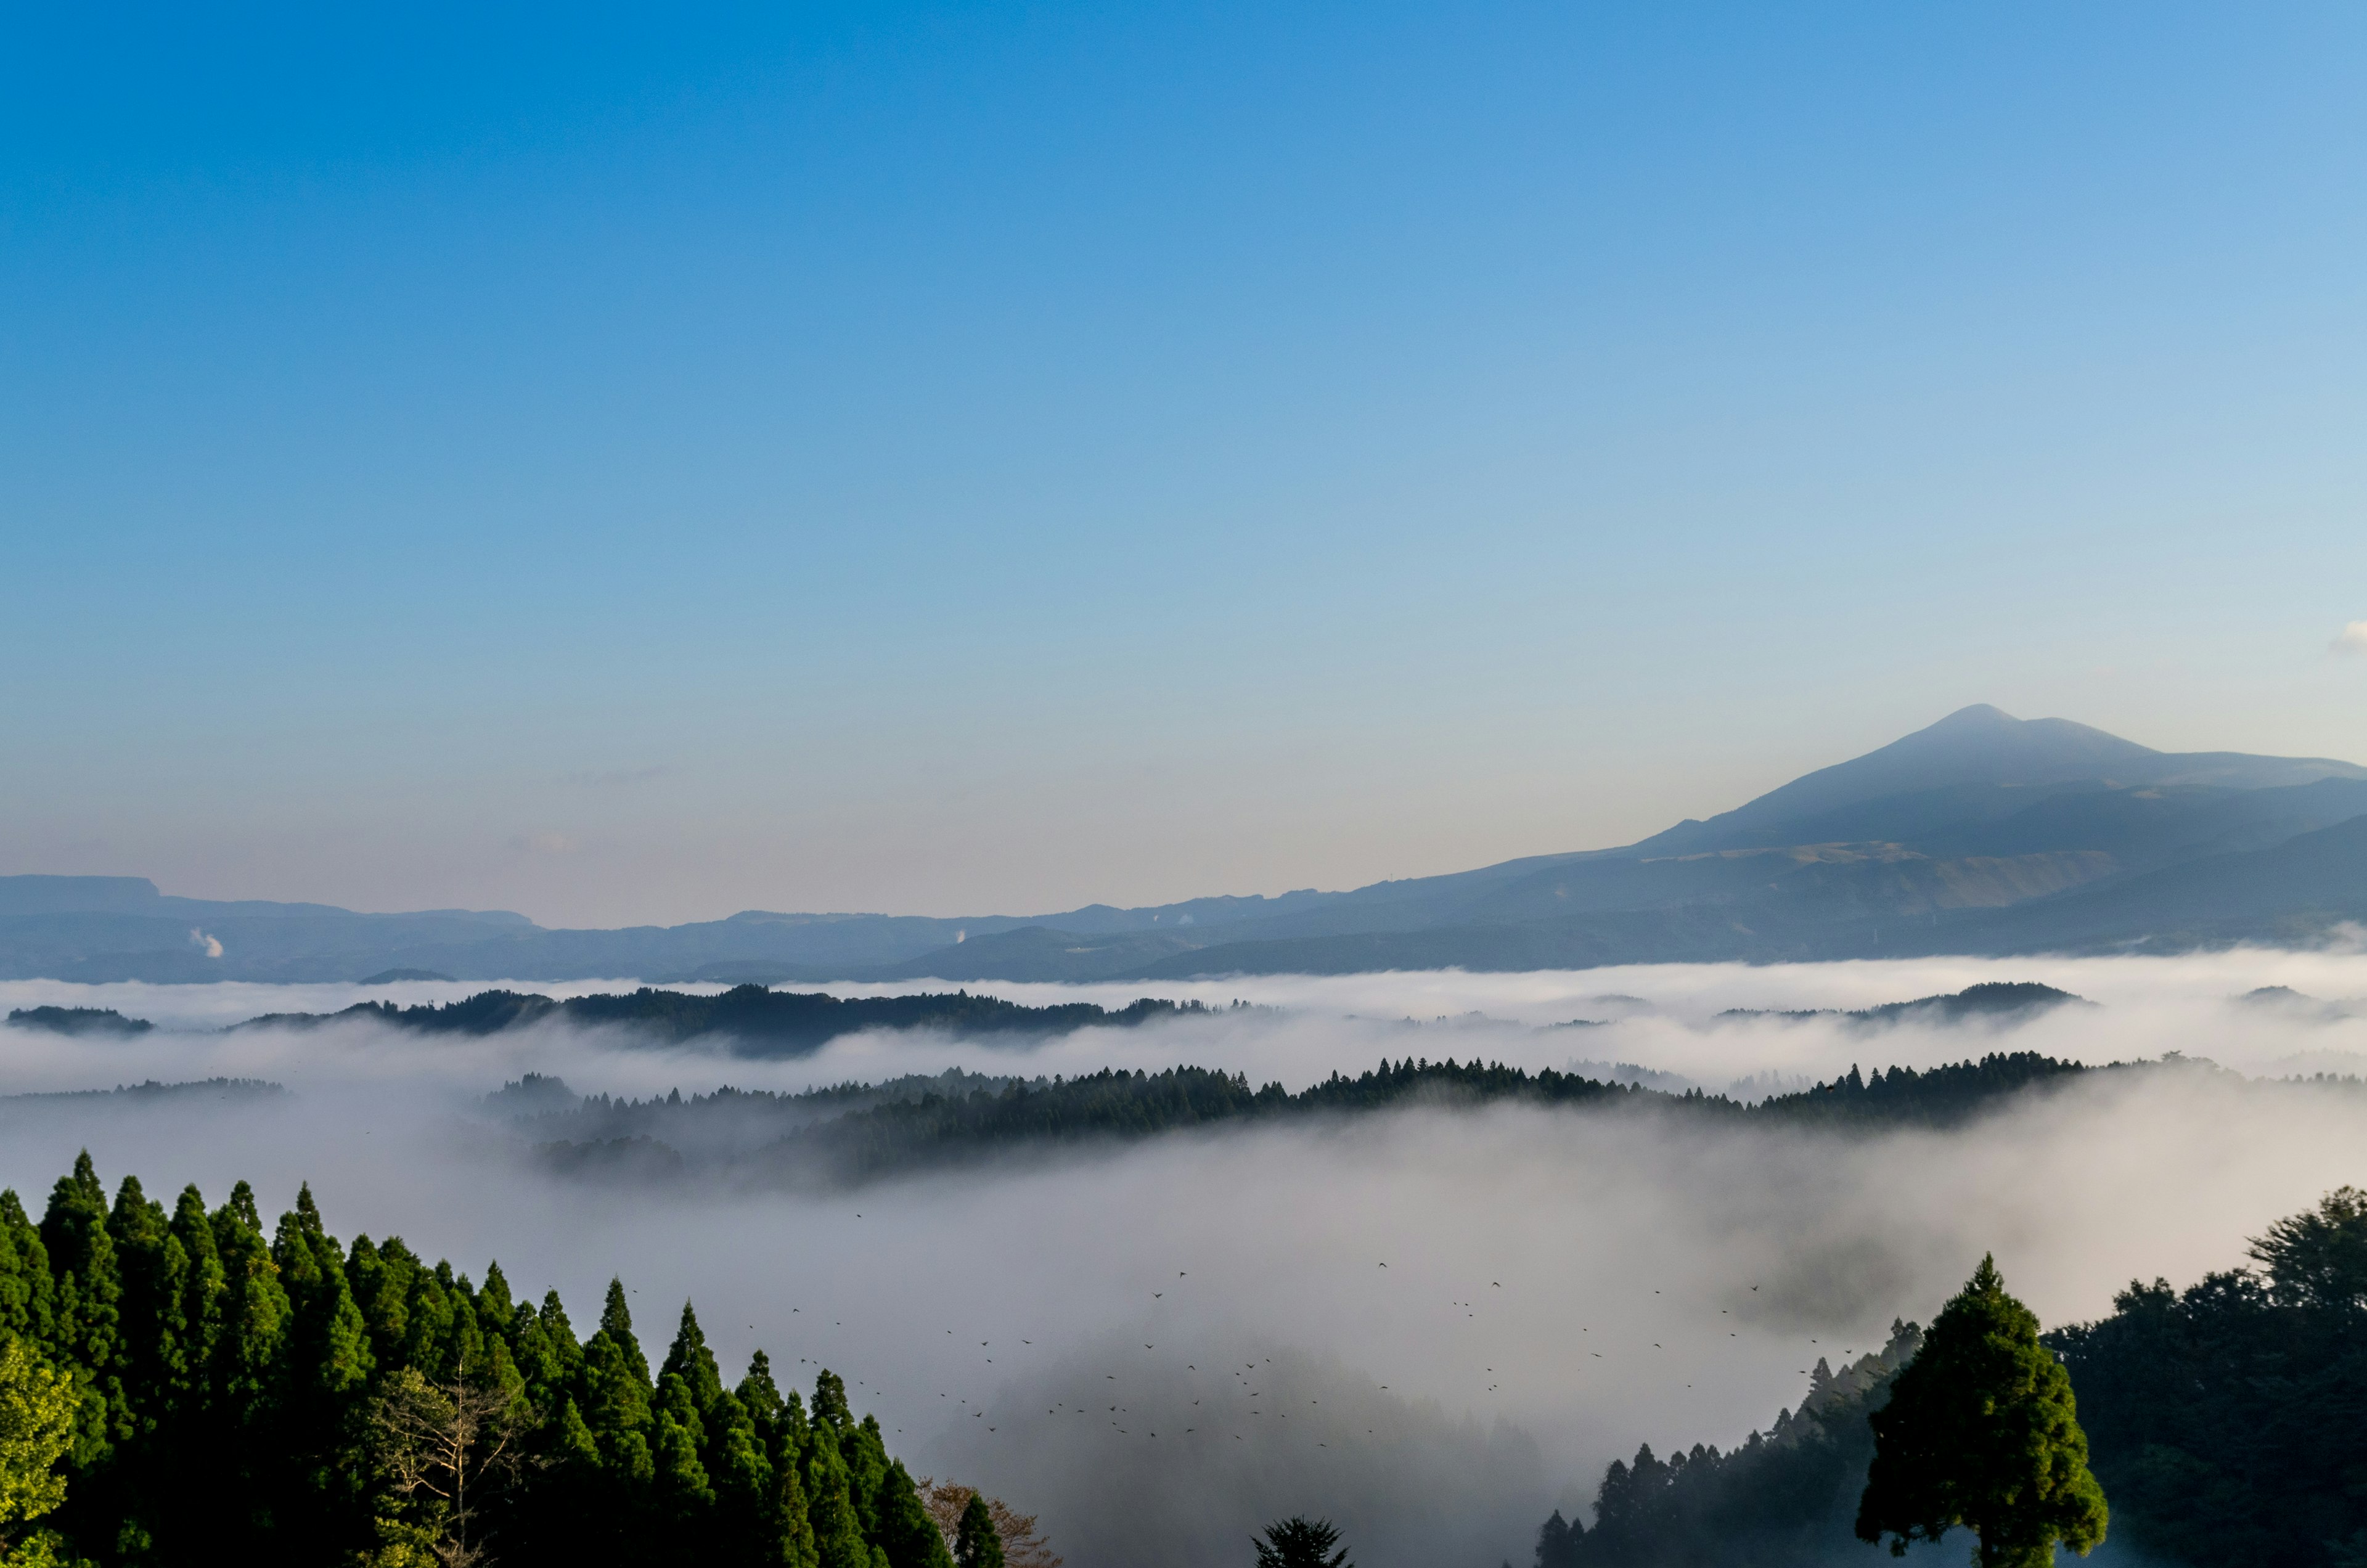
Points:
(1981, 1430)
(2223, 1421)
(2226, 1419)
(188, 1387)
(977, 1543)
(1295, 1542)
(37, 1409)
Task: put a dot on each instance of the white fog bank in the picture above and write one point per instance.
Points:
(1539, 1291)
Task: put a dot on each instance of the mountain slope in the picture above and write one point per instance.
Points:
(1976, 747)
(1982, 832)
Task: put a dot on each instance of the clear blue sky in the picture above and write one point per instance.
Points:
(636, 465)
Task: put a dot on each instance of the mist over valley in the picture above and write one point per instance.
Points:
(1539, 1287)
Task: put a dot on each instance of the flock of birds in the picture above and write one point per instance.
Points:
(1200, 1417)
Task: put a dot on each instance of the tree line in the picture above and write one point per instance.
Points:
(185, 1385)
(2223, 1421)
(920, 1122)
(757, 1022)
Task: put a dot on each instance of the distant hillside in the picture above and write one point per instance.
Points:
(1980, 834)
(748, 1020)
(853, 1134)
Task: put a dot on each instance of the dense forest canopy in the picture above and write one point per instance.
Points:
(267, 1393)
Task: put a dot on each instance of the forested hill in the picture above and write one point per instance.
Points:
(754, 1021)
(233, 1392)
(853, 1132)
(2222, 1422)
(1784, 1498)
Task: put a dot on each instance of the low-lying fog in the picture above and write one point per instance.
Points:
(1433, 1325)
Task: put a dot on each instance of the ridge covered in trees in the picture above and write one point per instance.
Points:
(267, 1393)
(755, 1021)
(1786, 1497)
(853, 1132)
(76, 1021)
(1997, 1000)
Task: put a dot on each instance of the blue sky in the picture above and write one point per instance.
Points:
(631, 466)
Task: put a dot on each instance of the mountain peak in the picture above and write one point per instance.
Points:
(1975, 715)
(1980, 749)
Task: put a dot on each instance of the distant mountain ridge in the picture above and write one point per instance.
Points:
(1983, 833)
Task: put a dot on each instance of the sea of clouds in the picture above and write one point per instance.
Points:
(1433, 1325)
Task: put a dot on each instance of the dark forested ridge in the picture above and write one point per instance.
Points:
(1992, 1000)
(244, 1393)
(76, 1021)
(852, 1132)
(755, 1021)
(760, 1021)
(152, 1092)
(2224, 1422)
(1784, 1498)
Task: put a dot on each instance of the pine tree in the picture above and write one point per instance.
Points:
(1295, 1542)
(244, 1378)
(89, 1292)
(320, 1514)
(907, 1534)
(617, 1393)
(977, 1543)
(1554, 1542)
(26, 1292)
(1981, 1431)
(829, 1503)
(790, 1533)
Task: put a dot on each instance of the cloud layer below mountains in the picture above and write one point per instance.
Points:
(1558, 1286)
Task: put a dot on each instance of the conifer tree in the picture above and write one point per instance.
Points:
(280, 1398)
(1295, 1542)
(977, 1543)
(25, 1290)
(907, 1534)
(89, 1292)
(616, 1384)
(1554, 1539)
(829, 1503)
(1981, 1431)
(790, 1533)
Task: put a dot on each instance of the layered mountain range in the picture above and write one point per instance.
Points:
(1983, 834)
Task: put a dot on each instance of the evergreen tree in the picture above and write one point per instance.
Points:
(1295, 1542)
(88, 1296)
(1554, 1542)
(907, 1534)
(1981, 1431)
(830, 1502)
(977, 1543)
(219, 1395)
(789, 1540)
